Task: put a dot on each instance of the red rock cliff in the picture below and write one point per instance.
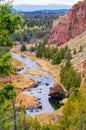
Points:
(70, 25)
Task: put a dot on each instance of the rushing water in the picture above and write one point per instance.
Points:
(42, 90)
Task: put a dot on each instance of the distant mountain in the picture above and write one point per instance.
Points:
(48, 12)
(27, 8)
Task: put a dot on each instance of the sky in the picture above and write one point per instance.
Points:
(45, 2)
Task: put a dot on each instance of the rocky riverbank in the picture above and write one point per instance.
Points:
(45, 65)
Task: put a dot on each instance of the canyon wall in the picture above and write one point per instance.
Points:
(70, 25)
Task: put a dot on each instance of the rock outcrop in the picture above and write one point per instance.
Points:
(70, 25)
(57, 92)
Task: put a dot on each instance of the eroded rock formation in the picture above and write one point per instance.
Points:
(70, 25)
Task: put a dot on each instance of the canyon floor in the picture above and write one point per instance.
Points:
(45, 65)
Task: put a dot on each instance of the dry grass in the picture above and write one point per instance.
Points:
(44, 64)
(79, 57)
(16, 63)
(21, 82)
(51, 117)
(34, 72)
(24, 100)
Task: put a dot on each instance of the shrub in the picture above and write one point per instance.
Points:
(23, 47)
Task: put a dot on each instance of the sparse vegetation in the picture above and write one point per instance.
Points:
(69, 77)
(80, 49)
(74, 51)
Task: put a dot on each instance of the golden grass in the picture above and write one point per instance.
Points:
(21, 82)
(34, 72)
(24, 100)
(47, 118)
(16, 63)
(44, 64)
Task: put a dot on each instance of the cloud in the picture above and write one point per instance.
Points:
(44, 2)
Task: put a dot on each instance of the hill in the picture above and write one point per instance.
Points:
(79, 57)
(27, 8)
(45, 12)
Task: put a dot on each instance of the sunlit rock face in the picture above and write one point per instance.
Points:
(70, 25)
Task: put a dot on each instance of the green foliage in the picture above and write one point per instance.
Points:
(74, 112)
(7, 94)
(23, 47)
(34, 26)
(8, 24)
(53, 53)
(32, 49)
(40, 50)
(3, 51)
(80, 49)
(8, 91)
(56, 58)
(46, 52)
(68, 55)
(74, 51)
(63, 53)
(69, 77)
(45, 41)
(5, 65)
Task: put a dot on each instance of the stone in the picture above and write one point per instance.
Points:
(70, 25)
(57, 92)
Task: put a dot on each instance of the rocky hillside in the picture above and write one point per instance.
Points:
(79, 57)
(70, 25)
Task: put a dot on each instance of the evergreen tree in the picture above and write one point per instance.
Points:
(69, 77)
(57, 58)
(80, 49)
(74, 112)
(74, 51)
(40, 50)
(23, 47)
(68, 55)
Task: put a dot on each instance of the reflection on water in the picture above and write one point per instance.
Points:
(54, 103)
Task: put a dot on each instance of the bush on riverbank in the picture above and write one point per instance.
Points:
(23, 47)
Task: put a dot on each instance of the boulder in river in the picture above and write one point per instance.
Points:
(57, 92)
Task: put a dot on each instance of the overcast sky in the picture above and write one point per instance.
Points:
(42, 2)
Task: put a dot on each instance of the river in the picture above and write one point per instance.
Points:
(42, 90)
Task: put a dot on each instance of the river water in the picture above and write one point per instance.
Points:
(42, 90)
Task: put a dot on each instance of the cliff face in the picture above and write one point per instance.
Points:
(70, 25)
